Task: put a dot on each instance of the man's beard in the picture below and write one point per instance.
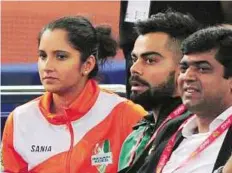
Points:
(154, 96)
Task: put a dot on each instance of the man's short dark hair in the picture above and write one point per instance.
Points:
(177, 25)
(217, 37)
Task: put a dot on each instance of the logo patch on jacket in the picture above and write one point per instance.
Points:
(102, 156)
(41, 148)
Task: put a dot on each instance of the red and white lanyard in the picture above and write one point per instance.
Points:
(169, 147)
(176, 113)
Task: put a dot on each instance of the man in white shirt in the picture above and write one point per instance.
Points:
(205, 85)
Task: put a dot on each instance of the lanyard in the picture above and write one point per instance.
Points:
(168, 150)
(177, 112)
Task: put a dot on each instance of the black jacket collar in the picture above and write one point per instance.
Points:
(165, 110)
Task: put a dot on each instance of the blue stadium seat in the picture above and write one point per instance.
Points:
(113, 72)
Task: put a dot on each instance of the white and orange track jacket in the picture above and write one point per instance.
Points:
(87, 139)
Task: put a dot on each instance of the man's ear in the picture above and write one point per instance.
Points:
(88, 65)
(230, 83)
(177, 73)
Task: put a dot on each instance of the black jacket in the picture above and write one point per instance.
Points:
(151, 162)
(167, 131)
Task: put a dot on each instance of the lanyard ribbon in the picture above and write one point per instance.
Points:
(169, 148)
(176, 113)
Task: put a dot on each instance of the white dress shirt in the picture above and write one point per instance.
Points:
(205, 160)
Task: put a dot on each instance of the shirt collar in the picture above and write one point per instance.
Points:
(219, 119)
(190, 126)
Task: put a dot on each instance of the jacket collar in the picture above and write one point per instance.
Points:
(80, 106)
(165, 110)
